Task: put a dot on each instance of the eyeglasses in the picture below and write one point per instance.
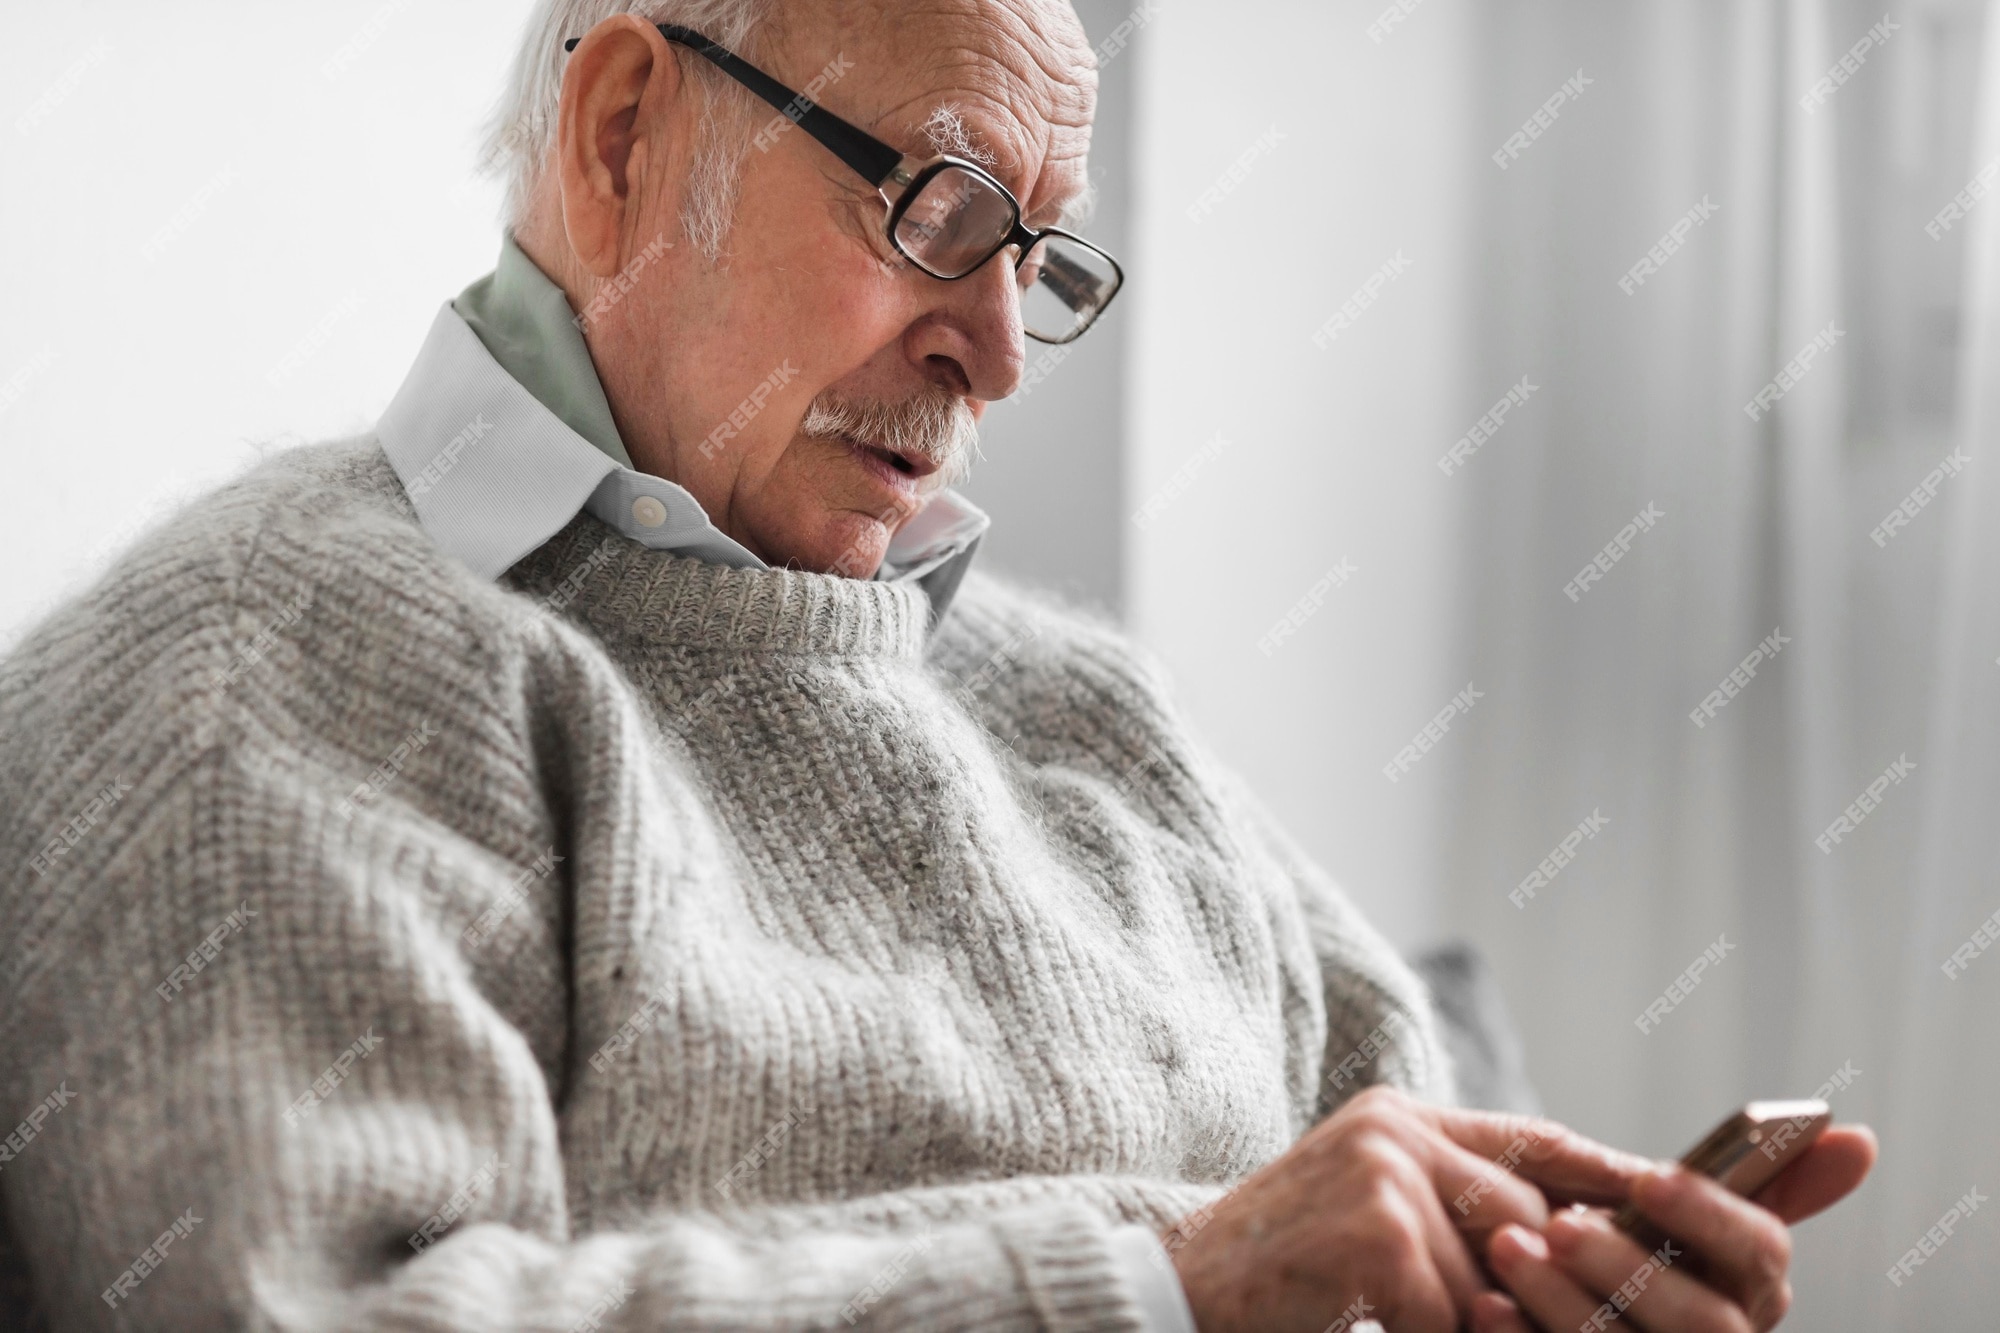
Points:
(946, 215)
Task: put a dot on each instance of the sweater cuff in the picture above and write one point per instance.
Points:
(1072, 1274)
(1150, 1272)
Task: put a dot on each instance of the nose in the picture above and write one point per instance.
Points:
(967, 339)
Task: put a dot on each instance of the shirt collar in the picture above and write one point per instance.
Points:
(525, 321)
(501, 433)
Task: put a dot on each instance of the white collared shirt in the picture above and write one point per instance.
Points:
(494, 474)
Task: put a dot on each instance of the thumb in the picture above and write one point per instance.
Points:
(1823, 1175)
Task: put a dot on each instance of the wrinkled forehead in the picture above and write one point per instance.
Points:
(1009, 82)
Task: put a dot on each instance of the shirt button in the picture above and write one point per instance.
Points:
(648, 512)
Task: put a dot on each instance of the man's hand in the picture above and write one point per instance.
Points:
(1566, 1277)
(1379, 1209)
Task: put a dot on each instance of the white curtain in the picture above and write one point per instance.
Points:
(1814, 230)
(1944, 1097)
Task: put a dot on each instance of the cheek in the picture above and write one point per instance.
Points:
(808, 279)
(804, 327)
(840, 312)
(837, 294)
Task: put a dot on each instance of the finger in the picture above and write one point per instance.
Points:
(1482, 1194)
(1645, 1287)
(1456, 1266)
(1545, 1293)
(1495, 1312)
(1744, 1247)
(1823, 1175)
(1431, 1302)
(1451, 1258)
(1568, 1166)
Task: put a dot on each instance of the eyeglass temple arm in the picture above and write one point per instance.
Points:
(873, 159)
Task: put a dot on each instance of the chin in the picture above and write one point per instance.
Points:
(848, 543)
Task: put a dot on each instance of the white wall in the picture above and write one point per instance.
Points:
(1333, 450)
(147, 334)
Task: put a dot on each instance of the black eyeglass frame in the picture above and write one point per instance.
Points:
(884, 166)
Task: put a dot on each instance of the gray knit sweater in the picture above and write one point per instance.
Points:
(635, 943)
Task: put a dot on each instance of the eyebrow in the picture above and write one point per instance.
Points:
(948, 131)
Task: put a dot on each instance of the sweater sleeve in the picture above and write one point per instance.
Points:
(319, 1118)
(1381, 1026)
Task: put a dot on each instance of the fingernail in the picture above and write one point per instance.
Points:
(1661, 1183)
(1563, 1230)
(1530, 1243)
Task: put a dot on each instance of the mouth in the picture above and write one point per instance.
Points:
(898, 468)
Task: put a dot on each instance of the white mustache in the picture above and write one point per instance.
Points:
(937, 426)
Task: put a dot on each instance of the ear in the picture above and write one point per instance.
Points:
(621, 139)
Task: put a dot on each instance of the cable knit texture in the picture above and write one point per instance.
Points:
(633, 943)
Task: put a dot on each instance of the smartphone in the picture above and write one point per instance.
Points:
(1745, 1152)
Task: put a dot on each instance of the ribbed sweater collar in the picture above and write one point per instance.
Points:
(642, 600)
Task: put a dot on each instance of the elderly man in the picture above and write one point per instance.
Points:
(588, 855)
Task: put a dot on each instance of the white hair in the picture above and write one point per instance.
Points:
(522, 131)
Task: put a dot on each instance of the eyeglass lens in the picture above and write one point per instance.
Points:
(957, 221)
